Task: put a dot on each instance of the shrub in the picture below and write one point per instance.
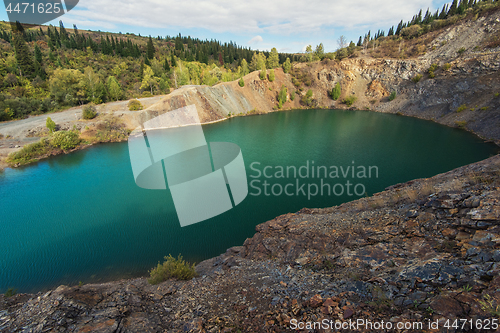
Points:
(30, 152)
(484, 108)
(262, 74)
(172, 268)
(392, 96)
(497, 94)
(89, 111)
(271, 75)
(241, 82)
(461, 108)
(10, 292)
(65, 140)
(51, 125)
(446, 66)
(432, 75)
(336, 91)
(350, 100)
(292, 95)
(432, 68)
(282, 96)
(461, 50)
(295, 82)
(134, 105)
(416, 78)
(461, 124)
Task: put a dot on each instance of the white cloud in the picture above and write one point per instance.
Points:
(256, 39)
(280, 17)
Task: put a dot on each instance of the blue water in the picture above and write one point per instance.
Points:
(80, 217)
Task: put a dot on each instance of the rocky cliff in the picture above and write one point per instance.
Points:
(466, 81)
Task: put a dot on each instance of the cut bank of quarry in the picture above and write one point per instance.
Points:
(427, 251)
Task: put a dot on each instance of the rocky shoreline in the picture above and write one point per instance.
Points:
(424, 251)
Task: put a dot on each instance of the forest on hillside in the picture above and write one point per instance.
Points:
(46, 69)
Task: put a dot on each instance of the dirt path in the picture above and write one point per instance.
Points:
(16, 133)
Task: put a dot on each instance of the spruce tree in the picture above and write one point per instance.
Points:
(166, 65)
(453, 8)
(38, 54)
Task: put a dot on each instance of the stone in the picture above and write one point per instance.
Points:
(315, 301)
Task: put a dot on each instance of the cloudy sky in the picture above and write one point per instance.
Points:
(288, 25)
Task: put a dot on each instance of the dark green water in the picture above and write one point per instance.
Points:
(80, 217)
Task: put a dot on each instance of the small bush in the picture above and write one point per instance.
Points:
(307, 98)
(350, 100)
(446, 67)
(336, 91)
(10, 292)
(262, 74)
(461, 108)
(282, 96)
(172, 268)
(89, 111)
(241, 82)
(484, 108)
(134, 105)
(295, 82)
(65, 140)
(416, 78)
(432, 68)
(461, 50)
(271, 75)
(497, 94)
(292, 95)
(51, 125)
(30, 152)
(392, 96)
(432, 75)
(461, 124)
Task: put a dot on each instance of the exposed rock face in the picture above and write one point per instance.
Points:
(426, 250)
(217, 102)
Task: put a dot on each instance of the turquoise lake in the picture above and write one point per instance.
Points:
(81, 217)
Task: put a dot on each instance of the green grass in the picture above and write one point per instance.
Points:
(172, 268)
(30, 153)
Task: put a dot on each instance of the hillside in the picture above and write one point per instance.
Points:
(426, 251)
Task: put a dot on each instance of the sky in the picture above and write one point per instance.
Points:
(288, 25)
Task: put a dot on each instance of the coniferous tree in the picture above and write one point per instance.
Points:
(173, 63)
(400, 26)
(38, 54)
(453, 8)
(150, 52)
(360, 41)
(166, 65)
